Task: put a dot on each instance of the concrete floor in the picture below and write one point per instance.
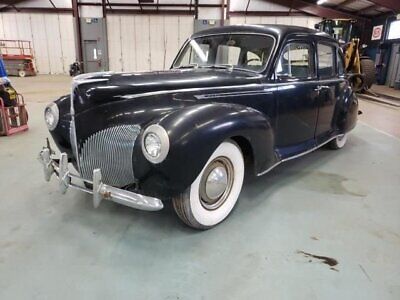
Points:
(343, 205)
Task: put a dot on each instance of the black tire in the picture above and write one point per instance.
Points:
(369, 71)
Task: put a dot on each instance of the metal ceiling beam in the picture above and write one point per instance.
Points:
(391, 4)
(37, 9)
(222, 12)
(366, 9)
(150, 12)
(196, 9)
(103, 8)
(52, 4)
(268, 13)
(317, 10)
(344, 3)
(117, 4)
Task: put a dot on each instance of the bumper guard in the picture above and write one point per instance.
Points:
(100, 190)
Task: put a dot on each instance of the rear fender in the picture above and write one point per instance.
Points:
(347, 111)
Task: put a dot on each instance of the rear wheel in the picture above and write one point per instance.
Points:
(212, 196)
(338, 142)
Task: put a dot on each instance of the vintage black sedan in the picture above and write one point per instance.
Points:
(236, 99)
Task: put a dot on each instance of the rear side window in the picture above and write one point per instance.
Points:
(326, 61)
(296, 61)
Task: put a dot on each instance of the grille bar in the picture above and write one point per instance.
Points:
(110, 150)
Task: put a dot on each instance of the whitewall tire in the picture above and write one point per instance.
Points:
(338, 142)
(213, 194)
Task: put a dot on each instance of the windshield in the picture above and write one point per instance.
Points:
(239, 51)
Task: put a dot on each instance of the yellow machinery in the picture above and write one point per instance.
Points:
(362, 68)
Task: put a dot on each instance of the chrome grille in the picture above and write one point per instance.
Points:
(110, 150)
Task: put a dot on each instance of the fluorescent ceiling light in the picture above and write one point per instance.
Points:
(319, 2)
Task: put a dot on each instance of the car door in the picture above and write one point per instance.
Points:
(297, 98)
(330, 86)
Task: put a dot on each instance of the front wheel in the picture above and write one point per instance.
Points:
(212, 196)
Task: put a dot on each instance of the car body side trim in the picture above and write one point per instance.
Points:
(299, 155)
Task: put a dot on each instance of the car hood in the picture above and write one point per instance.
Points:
(99, 88)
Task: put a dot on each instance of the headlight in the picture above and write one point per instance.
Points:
(155, 143)
(51, 116)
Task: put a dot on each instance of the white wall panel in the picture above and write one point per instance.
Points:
(9, 28)
(268, 20)
(2, 36)
(40, 43)
(114, 42)
(51, 35)
(23, 25)
(185, 28)
(67, 40)
(142, 25)
(289, 20)
(171, 39)
(128, 43)
(145, 42)
(52, 30)
(157, 43)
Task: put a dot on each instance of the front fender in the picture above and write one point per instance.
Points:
(194, 133)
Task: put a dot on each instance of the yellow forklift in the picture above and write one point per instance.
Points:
(348, 34)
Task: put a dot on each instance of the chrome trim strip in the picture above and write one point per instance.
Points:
(133, 96)
(82, 78)
(299, 155)
(268, 87)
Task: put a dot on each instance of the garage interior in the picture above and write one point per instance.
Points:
(324, 226)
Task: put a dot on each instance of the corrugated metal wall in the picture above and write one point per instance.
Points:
(135, 42)
(297, 20)
(141, 43)
(52, 36)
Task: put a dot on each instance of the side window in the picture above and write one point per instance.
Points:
(340, 62)
(326, 61)
(296, 61)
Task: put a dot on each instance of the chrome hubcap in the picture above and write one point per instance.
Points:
(216, 183)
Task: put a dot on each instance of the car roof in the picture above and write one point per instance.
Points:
(278, 31)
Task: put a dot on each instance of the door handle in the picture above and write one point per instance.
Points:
(321, 87)
(317, 89)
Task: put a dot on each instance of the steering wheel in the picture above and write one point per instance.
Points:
(250, 60)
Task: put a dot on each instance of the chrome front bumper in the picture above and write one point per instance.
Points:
(100, 190)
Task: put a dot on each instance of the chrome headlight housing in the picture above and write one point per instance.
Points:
(51, 116)
(155, 143)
